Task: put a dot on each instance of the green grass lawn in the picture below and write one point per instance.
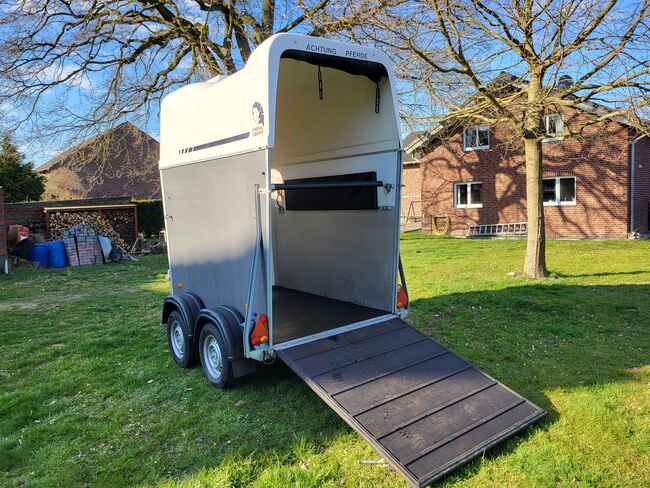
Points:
(90, 396)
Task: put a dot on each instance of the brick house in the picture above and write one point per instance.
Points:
(122, 161)
(596, 185)
(411, 207)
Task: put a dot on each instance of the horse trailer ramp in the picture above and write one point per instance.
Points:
(426, 410)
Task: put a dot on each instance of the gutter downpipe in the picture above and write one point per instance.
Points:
(632, 168)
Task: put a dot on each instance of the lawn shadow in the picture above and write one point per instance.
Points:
(585, 275)
(539, 338)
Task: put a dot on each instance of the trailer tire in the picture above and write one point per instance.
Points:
(214, 357)
(181, 346)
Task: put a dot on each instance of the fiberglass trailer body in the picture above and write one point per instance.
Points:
(281, 188)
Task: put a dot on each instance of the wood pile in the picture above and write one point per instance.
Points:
(36, 226)
(116, 224)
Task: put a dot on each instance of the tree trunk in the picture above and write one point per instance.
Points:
(535, 262)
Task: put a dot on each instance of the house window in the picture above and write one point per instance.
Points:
(559, 191)
(553, 125)
(476, 138)
(468, 195)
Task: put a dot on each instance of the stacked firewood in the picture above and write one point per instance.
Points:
(123, 222)
(35, 226)
(116, 224)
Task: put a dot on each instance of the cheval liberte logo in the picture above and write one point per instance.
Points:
(258, 119)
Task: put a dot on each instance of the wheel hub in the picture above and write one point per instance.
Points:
(213, 358)
(178, 340)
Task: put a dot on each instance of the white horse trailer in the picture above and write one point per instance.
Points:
(281, 188)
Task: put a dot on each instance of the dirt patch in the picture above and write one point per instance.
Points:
(46, 301)
(19, 306)
(634, 370)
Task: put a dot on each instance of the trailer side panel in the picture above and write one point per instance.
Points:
(210, 218)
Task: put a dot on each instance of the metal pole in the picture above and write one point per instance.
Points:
(320, 186)
(251, 287)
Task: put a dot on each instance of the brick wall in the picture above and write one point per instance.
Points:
(411, 191)
(642, 185)
(598, 159)
(3, 233)
(31, 217)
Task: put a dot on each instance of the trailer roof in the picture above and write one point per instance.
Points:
(234, 114)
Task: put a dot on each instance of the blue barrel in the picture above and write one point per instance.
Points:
(38, 254)
(56, 254)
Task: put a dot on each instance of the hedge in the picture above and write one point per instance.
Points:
(151, 219)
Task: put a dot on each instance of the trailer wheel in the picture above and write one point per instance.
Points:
(181, 346)
(214, 357)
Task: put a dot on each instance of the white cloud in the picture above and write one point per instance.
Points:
(54, 73)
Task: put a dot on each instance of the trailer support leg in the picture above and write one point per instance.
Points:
(248, 320)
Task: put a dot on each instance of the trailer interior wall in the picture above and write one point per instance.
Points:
(346, 255)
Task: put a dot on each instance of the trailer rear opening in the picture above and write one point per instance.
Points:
(281, 189)
(333, 222)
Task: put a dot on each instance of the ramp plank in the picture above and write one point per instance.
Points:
(426, 401)
(339, 340)
(358, 373)
(461, 450)
(321, 363)
(423, 408)
(400, 385)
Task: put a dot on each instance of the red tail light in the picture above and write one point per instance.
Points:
(260, 334)
(402, 298)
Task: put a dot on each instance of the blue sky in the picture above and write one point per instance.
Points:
(78, 95)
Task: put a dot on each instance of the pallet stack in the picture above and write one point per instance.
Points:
(82, 245)
(3, 236)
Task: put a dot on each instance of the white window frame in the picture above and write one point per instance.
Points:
(558, 202)
(476, 128)
(557, 136)
(469, 184)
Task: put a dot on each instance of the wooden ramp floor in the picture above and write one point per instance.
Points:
(423, 408)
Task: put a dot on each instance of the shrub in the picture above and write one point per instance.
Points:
(151, 219)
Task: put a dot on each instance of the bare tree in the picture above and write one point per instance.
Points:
(73, 67)
(62, 184)
(452, 51)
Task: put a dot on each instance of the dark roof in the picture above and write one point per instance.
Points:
(408, 141)
(412, 137)
(508, 80)
(120, 161)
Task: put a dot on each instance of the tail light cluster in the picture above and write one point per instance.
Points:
(402, 298)
(260, 334)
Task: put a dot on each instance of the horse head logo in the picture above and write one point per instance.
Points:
(258, 114)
